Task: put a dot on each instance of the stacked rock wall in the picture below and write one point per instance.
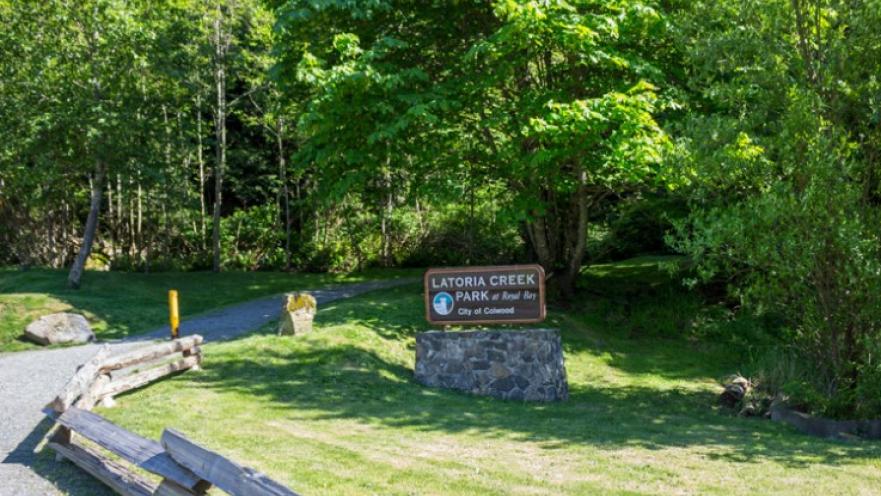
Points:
(515, 364)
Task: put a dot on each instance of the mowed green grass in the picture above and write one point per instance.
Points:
(338, 412)
(120, 304)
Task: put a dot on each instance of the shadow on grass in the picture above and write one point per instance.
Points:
(394, 314)
(356, 378)
(346, 382)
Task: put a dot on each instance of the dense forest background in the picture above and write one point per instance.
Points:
(332, 135)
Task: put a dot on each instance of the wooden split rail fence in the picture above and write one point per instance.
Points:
(184, 467)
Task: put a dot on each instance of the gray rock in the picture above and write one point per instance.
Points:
(60, 328)
(503, 385)
(480, 365)
(495, 356)
(497, 370)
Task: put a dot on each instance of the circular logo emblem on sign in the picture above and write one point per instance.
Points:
(443, 303)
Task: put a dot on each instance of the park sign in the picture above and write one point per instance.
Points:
(500, 294)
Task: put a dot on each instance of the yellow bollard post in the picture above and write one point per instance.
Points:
(173, 314)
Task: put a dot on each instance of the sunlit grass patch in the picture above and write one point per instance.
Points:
(120, 304)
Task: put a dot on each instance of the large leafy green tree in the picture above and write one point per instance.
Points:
(561, 95)
(550, 99)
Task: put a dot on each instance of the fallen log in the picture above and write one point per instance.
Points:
(134, 381)
(113, 474)
(736, 389)
(220, 471)
(80, 382)
(149, 353)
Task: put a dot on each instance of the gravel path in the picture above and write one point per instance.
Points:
(29, 380)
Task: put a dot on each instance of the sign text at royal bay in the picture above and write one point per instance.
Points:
(500, 294)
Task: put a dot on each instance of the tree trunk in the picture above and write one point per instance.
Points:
(119, 225)
(111, 220)
(130, 228)
(79, 263)
(220, 134)
(96, 183)
(201, 160)
(560, 243)
(387, 209)
(538, 236)
(139, 239)
(286, 200)
(577, 240)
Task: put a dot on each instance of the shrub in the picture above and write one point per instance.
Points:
(806, 249)
(251, 238)
(638, 226)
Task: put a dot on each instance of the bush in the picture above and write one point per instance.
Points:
(806, 249)
(452, 236)
(251, 238)
(638, 226)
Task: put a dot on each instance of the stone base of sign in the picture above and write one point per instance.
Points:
(517, 365)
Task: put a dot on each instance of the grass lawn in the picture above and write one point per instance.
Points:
(120, 304)
(338, 412)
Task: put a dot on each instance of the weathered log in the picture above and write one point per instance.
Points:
(195, 351)
(134, 381)
(143, 453)
(90, 398)
(218, 470)
(149, 353)
(736, 389)
(61, 435)
(815, 426)
(81, 381)
(170, 488)
(111, 473)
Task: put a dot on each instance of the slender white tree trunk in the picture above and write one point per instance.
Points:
(79, 263)
(220, 132)
(201, 160)
(286, 200)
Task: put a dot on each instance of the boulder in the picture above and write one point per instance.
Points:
(60, 328)
(297, 314)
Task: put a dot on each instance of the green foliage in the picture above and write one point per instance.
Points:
(636, 226)
(458, 236)
(548, 102)
(251, 239)
(352, 134)
(782, 186)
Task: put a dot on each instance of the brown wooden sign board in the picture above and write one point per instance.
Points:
(499, 294)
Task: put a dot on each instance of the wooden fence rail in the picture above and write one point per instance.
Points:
(103, 377)
(185, 468)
